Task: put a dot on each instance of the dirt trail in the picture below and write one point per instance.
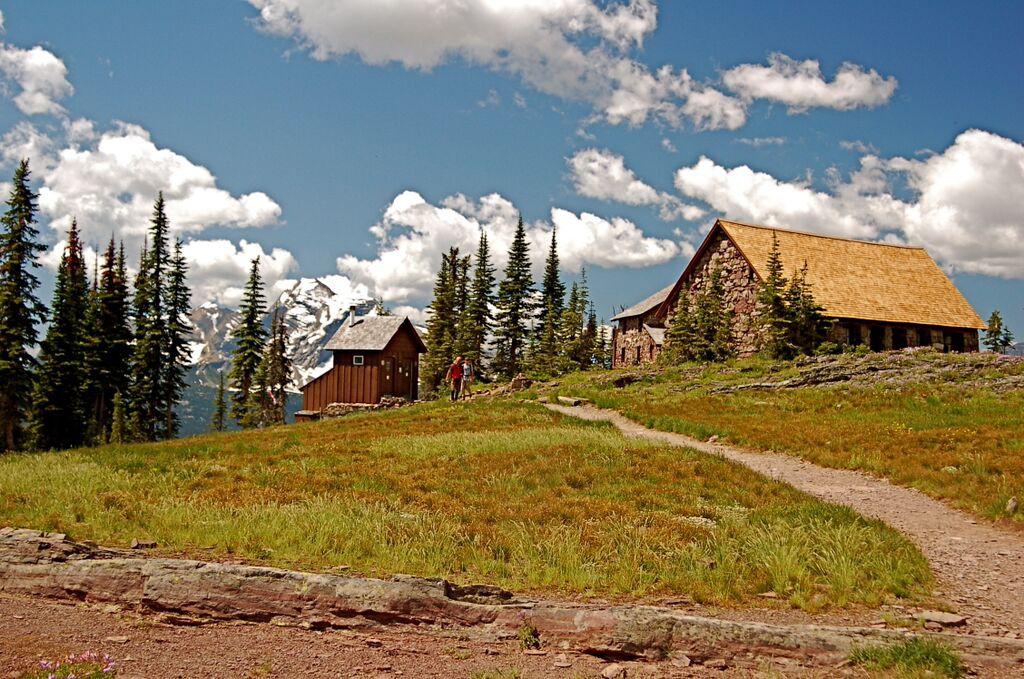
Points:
(980, 567)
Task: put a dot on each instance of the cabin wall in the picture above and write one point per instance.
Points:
(880, 336)
(399, 363)
(632, 344)
(345, 382)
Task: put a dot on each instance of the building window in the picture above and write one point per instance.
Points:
(899, 338)
(357, 359)
(638, 355)
(622, 356)
(877, 338)
(853, 335)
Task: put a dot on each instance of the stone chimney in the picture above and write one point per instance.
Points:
(351, 315)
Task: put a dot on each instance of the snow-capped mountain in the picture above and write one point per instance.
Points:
(313, 310)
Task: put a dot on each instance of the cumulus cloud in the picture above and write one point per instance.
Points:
(40, 75)
(413, 234)
(218, 269)
(801, 85)
(964, 203)
(110, 182)
(574, 49)
(603, 175)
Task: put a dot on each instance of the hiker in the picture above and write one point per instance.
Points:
(454, 377)
(467, 378)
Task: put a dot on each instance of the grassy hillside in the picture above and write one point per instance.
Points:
(949, 425)
(492, 491)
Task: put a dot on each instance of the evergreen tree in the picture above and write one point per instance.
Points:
(20, 310)
(149, 389)
(220, 408)
(379, 308)
(603, 347)
(998, 337)
(701, 329)
(477, 319)
(681, 334)
(807, 327)
(58, 411)
(552, 296)
(249, 335)
(277, 369)
(442, 326)
(109, 340)
(176, 355)
(515, 305)
(773, 317)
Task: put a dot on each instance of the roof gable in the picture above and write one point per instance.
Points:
(646, 305)
(858, 279)
(371, 333)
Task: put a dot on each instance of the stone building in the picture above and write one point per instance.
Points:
(876, 294)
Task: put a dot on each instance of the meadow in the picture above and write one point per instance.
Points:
(492, 491)
(928, 421)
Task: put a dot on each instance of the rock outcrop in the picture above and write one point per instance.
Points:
(50, 565)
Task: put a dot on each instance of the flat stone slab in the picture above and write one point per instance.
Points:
(42, 564)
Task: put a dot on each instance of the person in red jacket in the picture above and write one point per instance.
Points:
(454, 377)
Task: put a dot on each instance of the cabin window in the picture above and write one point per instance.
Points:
(357, 359)
(954, 341)
(899, 338)
(924, 337)
(853, 335)
(638, 355)
(622, 355)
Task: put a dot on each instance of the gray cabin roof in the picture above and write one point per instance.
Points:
(646, 305)
(369, 333)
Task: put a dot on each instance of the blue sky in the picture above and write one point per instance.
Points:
(290, 133)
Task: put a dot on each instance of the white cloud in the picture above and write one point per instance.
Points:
(801, 85)
(218, 269)
(519, 100)
(492, 99)
(413, 234)
(573, 49)
(761, 141)
(964, 203)
(603, 175)
(111, 181)
(40, 75)
(25, 141)
(858, 146)
(3, 27)
(667, 144)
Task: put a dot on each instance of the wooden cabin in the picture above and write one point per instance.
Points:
(880, 295)
(373, 357)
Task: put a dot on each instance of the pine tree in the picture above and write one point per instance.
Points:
(681, 333)
(58, 411)
(109, 341)
(249, 336)
(773, 318)
(277, 369)
(176, 353)
(998, 337)
(20, 309)
(148, 385)
(515, 305)
(477, 318)
(442, 326)
(220, 408)
(552, 295)
(807, 327)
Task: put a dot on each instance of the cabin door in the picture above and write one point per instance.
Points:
(390, 384)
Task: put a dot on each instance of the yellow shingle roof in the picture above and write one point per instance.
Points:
(861, 280)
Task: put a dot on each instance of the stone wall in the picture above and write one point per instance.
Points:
(740, 283)
(632, 344)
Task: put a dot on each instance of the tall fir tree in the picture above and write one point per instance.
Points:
(176, 352)
(552, 293)
(58, 418)
(443, 324)
(148, 385)
(773, 318)
(277, 369)
(109, 341)
(477, 318)
(20, 309)
(249, 336)
(515, 307)
(220, 408)
(807, 327)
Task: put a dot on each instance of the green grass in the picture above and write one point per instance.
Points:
(495, 492)
(911, 658)
(953, 439)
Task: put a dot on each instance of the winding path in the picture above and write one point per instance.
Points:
(980, 567)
